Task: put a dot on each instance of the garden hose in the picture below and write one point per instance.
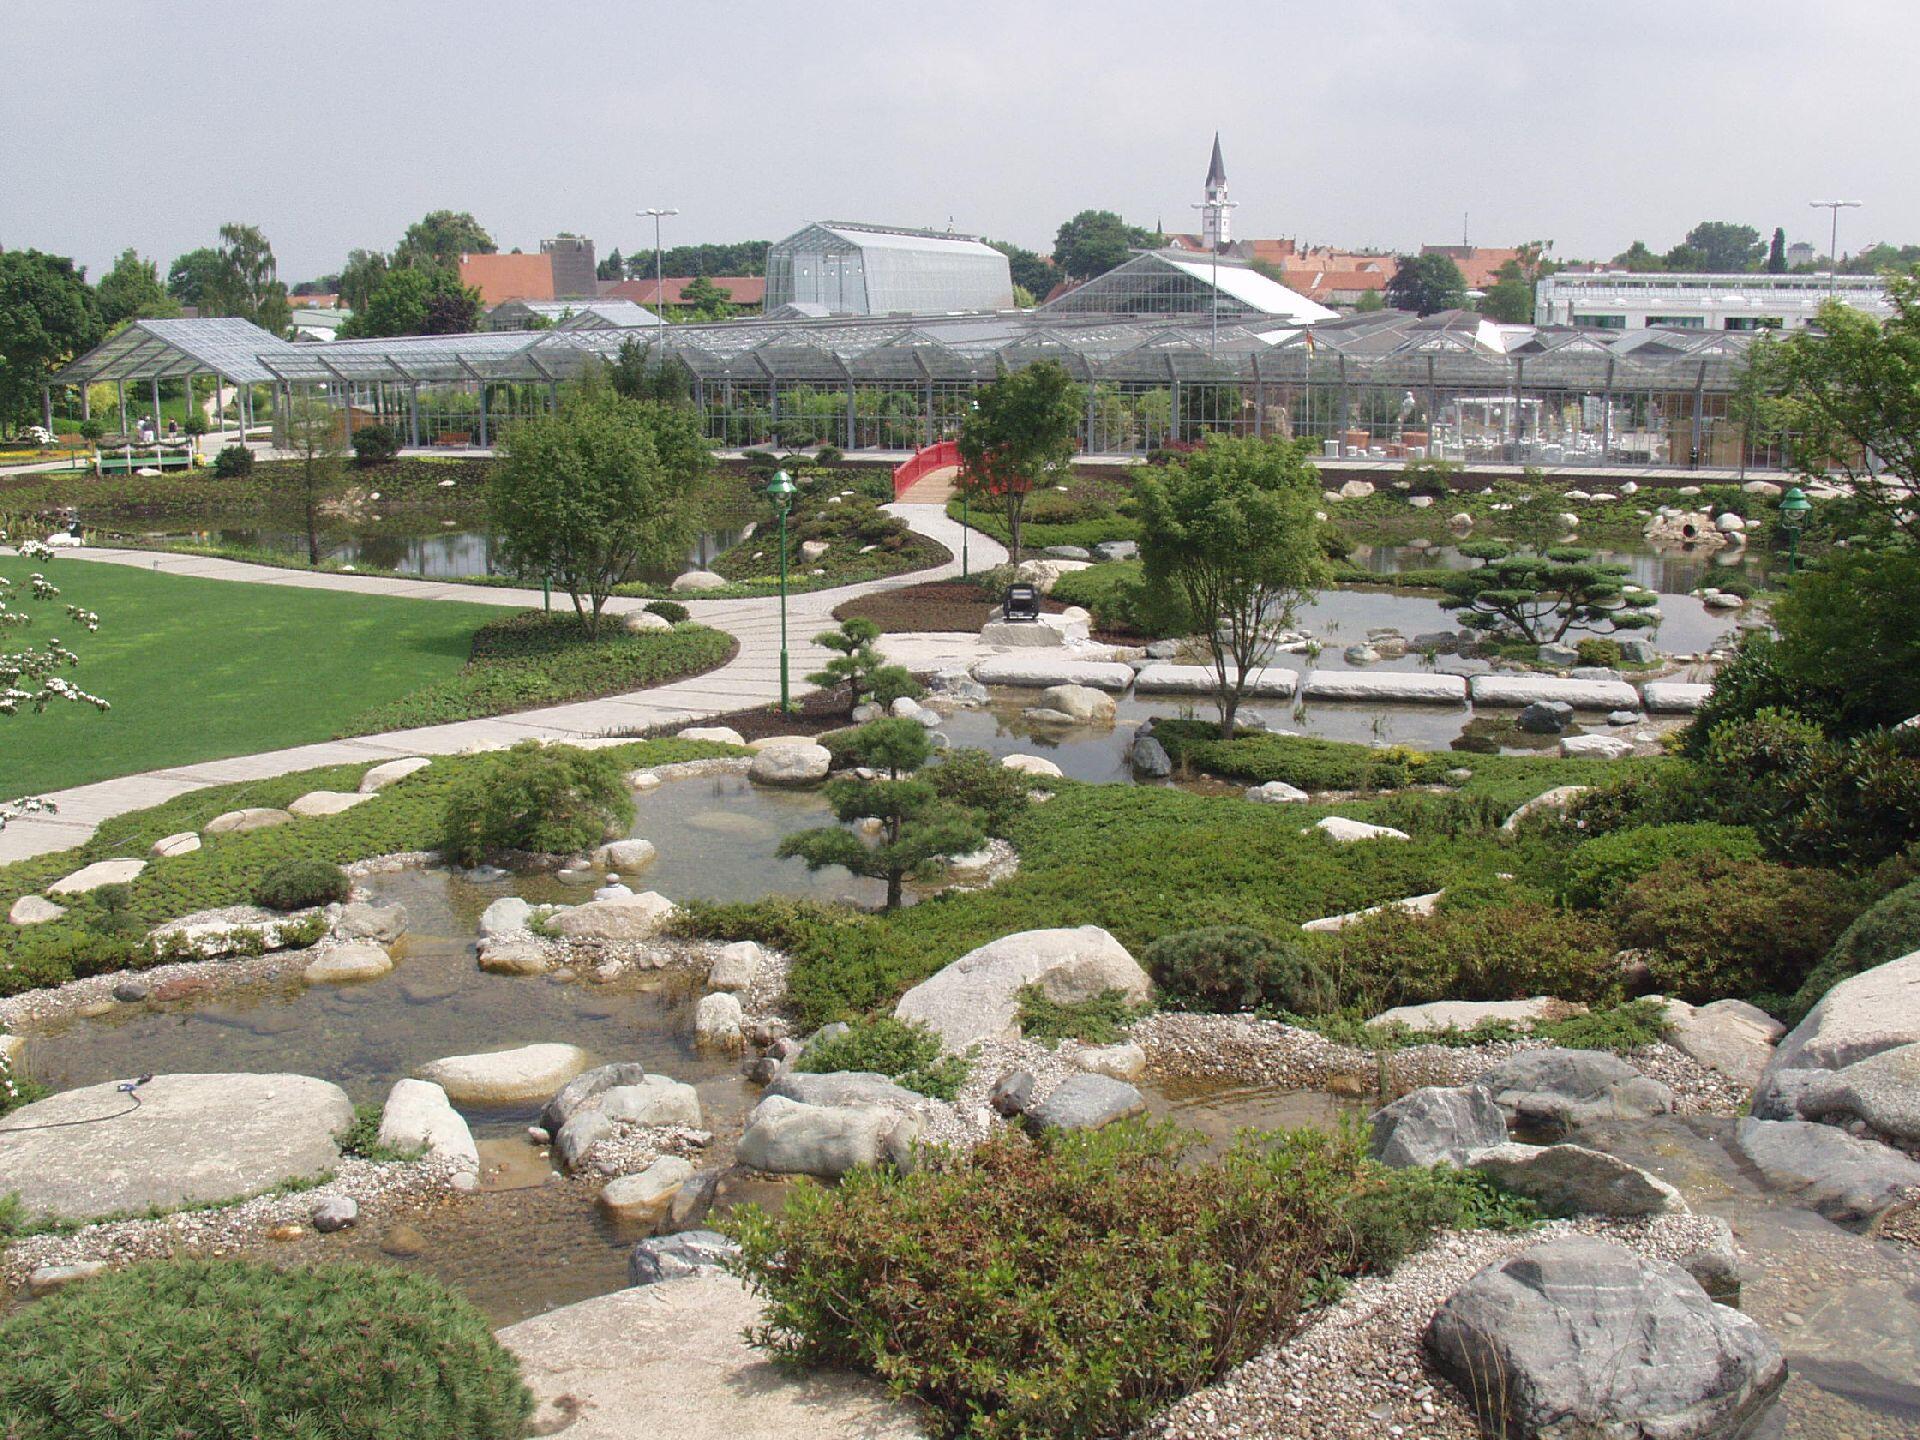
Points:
(128, 1088)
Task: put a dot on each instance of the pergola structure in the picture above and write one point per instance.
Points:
(1388, 385)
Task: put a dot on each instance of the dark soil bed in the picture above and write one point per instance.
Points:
(813, 714)
(936, 605)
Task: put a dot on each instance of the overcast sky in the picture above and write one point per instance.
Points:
(1588, 122)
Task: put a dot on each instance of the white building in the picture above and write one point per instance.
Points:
(1621, 300)
(1216, 211)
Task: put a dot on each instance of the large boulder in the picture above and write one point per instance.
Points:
(1436, 1125)
(649, 1100)
(1730, 1036)
(498, 1077)
(672, 1359)
(846, 1087)
(1581, 1337)
(1876, 1010)
(1087, 1102)
(693, 582)
(1343, 831)
(1845, 1178)
(976, 997)
(644, 1199)
(348, 963)
(787, 1137)
(623, 918)
(418, 1116)
(177, 1140)
(1883, 1091)
(1560, 1090)
(1574, 1180)
(669, 1257)
(801, 764)
(1081, 703)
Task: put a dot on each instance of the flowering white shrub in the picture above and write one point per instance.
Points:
(29, 675)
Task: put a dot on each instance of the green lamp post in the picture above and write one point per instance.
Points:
(780, 490)
(1794, 507)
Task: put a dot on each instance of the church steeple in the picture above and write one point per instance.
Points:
(1216, 229)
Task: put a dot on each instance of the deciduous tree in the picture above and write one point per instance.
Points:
(1093, 242)
(131, 290)
(1232, 530)
(47, 317)
(316, 434)
(1426, 284)
(439, 239)
(1020, 433)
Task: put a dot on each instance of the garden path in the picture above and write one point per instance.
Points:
(752, 677)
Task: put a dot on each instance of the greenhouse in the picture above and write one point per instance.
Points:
(874, 270)
(1386, 386)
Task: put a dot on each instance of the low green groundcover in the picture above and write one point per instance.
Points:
(233, 1349)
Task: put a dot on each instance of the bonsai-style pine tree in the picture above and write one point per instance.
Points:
(917, 827)
(1539, 596)
(860, 667)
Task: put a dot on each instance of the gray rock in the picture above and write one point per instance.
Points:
(506, 916)
(584, 1087)
(348, 963)
(652, 1100)
(132, 989)
(975, 997)
(495, 1077)
(1149, 758)
(1124, 1061)
(49, 1278)
(1067, 552)
(361, 921)
(1594, 672)
(1623, 717)
(624, 918)
(717, 1019)
(1545, 717)
(192, 1139)
(645, 1199)
(183, 842)
(1638, 652)
(1845, 1178)
(694, 581)
(735, 966)
(1559, 1090)
(1558, 798)
(1438, 1015)
(1876, 1010)
(1883, 1091)
(1082, 704)
(100, 873)
(695, 1199)
(716, 734)
(1435, 1125)
(846, 1087)
(1343, 831)
(1583, 1337)
(316, 803)
(34, 910)
(1116, 550)
(337, 1212)
(1012, 1093)
(627, 857)
(513, 954)
(668, 1257)
(672, 1360)
(1555, 654)
(791, 765)
(1574, 1180)
(418, 1116)
(1086, 1102)
(1275, 792)
(238, 821)
(385, 773)
(1595, 747)
(1729, 1036)
(785, 1137)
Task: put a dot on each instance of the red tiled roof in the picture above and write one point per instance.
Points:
(741, 289)
(500, 278)
(1480, 264)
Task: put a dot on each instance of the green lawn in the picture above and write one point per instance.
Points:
(203, 669)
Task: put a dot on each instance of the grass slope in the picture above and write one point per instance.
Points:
(201, 669)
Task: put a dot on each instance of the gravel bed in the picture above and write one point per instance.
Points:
(1246, 1049)
(632, 1148)
(1359, 1368)
(378, 1187)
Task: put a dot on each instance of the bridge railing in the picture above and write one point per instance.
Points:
(939, 456)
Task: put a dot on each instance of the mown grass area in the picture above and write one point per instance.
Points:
(530, 659)
(201, 669)
(1140, 862)
(97, 931)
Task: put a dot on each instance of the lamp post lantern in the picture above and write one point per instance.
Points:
(1833, 244)
(657, 214)
(1794, 507)
(780, 490)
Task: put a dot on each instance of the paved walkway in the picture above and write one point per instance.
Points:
(752, 677)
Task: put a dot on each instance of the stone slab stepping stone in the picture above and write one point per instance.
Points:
(1518, 691)
(193, 1139)
(1412, 905)
(1087, 1102)
(1347, 832)
(327, 802)
(1036, 672)
(34, 910)
(92, 877)
(1845, 1178)
(418, 1116)
(1167, 679)
(388, 771)
(1574, 1180)
(167, 847)
(527, 1072)
(1049, 632)
(1595, 747)
(1674, 697)
(634, 917)
(348, 964)
(1438, 1015)
(669, 1359)
(237, 821)
(1404, 687)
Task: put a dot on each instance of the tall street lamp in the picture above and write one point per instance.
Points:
(1833, 245)
(1215, 209)
(780, 490)
(1794, 507)
(657, 214)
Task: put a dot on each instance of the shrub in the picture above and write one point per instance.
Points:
(1887, 930)
(297, 884)
(1068, 1288)
(976, 781)
(1100, 1020)
(233, 461)
(908, 1053)
(1600, 869)
(672, 611)
(1476, 952)
(1621, 1028)
(1714, 927)
(172, 1348)
(828, 455)
(549, 799)
(375, 445)
(1120, 601)
(1594, 651)
(1229, 968)
(1311, 764)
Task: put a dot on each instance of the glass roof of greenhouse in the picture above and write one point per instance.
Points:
(1454, 348)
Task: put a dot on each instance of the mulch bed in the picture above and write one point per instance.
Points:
(813, 714)
(956, 606)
